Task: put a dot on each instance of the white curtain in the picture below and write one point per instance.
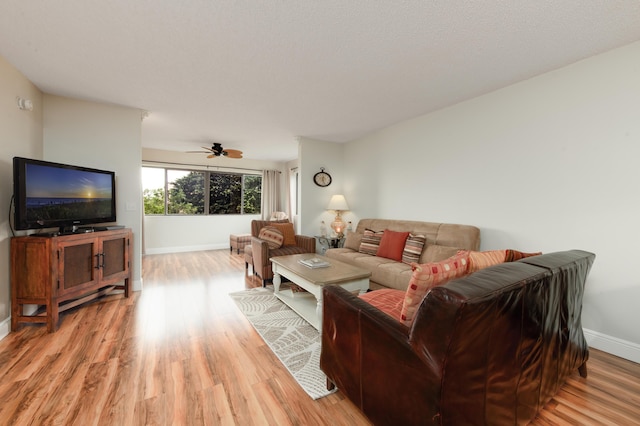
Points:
(270, 193)
(287, 199)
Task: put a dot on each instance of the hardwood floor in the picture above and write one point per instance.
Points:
(181, 353)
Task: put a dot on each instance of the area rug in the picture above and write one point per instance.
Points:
(293, 340)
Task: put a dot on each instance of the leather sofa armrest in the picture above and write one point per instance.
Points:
(365, 351)
(306, 243)
(341, 356)
(351, 309)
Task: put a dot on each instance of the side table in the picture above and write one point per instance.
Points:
(330, 242)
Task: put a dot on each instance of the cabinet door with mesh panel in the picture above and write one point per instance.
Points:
(115, 258)
(78, 265)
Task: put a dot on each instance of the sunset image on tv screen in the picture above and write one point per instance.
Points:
(66, 194)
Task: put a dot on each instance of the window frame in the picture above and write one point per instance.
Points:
(207, 188)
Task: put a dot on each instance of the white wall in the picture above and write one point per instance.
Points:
(103, 137)
(168, 234)
(547, 164)
(20, 136)
(314, 199)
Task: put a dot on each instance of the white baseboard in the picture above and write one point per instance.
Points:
(137, 285)
(164, 250)
(5, 328)
(613, 345)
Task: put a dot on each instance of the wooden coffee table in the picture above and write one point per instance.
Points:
(309, 305)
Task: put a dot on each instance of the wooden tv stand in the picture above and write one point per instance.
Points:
(61, 272)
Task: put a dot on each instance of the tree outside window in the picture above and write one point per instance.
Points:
(252, 194)
(225, 193)
(153, 190)
(190, 192)
(186, 192)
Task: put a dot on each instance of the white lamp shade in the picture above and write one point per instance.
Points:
(338, 202)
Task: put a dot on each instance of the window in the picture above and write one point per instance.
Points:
(153, 190)
(186, 192)
(225, 194)
(196, 192)
(252, 194)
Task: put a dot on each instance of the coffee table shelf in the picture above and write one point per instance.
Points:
(309, 306)
(303, 304)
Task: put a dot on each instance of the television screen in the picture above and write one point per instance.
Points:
(51, 194)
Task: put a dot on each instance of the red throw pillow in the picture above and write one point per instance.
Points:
(483, 259)
(392, 244)
(513, 255)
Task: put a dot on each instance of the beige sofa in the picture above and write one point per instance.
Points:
(442, 241)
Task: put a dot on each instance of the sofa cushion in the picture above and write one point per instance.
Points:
(413, 248)
(370, 242)
(272, 236)
(384, 272)
(394, 275)
(344, 254)
(353, 240)
(392, 244)
(429, 275)
(436, 253)
(288, 232)
(387, 300)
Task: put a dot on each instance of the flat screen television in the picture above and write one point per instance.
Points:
(51, 195)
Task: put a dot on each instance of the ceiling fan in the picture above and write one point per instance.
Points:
(217, 150)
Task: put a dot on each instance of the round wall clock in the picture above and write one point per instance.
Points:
(322, 178)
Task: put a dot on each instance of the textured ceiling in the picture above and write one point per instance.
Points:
(254, 75)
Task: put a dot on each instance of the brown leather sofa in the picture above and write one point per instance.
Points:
(260, 253)
(489, 348)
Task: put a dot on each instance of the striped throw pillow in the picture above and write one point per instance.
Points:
(413, 248)
(272, 236)
(370, 242)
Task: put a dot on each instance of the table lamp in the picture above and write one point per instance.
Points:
(339, 204)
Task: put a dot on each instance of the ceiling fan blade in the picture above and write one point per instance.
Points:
(217, 150)
(233, 153)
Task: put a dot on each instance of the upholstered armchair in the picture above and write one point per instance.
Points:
(261, 252)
